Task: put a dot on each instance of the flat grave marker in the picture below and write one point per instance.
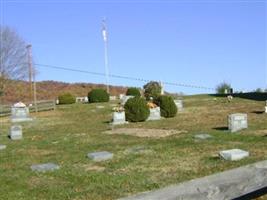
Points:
(100, 156)
(233, 154)
(45, 167)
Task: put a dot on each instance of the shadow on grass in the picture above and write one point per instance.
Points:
(258, 112)
(222, 128)
(257, 96)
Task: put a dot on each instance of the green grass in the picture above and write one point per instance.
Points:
(66, 135)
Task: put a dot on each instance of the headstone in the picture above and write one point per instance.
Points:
(266, 107)
(2, 147)
(233, 154)
(57, 101)
(118, 118)
(100, 107)
(125, 99)
(112, 98)
(44, 167)
(16, 132)
(100, 156)
(121, 96)
(237, 121)
(82, 99)
(179, 104)
(202, 136)
(20, 113)
(154, 114)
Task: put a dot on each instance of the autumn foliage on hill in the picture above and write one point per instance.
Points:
(47, 90)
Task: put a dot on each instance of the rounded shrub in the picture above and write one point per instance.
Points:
(66, 98)
(167, 106)
(136, 110)
(133, 92)
(98, 95)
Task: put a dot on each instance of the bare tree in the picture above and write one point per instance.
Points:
(13, 56)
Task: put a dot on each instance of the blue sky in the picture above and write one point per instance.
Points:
(191, 42)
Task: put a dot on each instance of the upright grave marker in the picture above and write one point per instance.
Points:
(20, 113)
(16, 132)
(179, 104)
(237, 121)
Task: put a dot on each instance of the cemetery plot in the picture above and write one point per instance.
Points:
(146, 155)
(142, 132)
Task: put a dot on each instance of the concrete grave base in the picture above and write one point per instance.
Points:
(100, 156)
(15, 120)
(234, 154)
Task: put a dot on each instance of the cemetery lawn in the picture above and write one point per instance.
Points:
(66, 135)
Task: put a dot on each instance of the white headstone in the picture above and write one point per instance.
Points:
(237, 121)
(118, 118)
(179, 104)
(266, 107)
(233, 154)
(20, 113)
(121, 96)
(16, 132)
(112, 98)
(2, 146)
(154, 114)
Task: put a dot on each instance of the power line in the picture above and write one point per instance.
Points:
(122, 77)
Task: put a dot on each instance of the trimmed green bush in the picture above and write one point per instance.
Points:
(152, 89)
(133, 92)
(98, 95)
(220, 89)
(167, 106)
(136, 109)
(66, 98)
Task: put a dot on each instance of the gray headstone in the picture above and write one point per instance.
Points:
(202, 136)
(44, 167)
(100, 156)
(2, 147)
(154, 114)
(233, 154)
(16, 132)
(118, 118)
(237, 121)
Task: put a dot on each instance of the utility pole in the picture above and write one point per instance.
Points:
(105, 38)
(32, 77)
(29, 52)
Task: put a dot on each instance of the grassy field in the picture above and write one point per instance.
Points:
(66, 135)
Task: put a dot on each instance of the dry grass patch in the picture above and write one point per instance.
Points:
(36, 152)
(90, 167)
(143, 132)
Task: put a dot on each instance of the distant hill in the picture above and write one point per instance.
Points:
(20, 90)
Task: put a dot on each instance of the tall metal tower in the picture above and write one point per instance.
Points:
(105, 38)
